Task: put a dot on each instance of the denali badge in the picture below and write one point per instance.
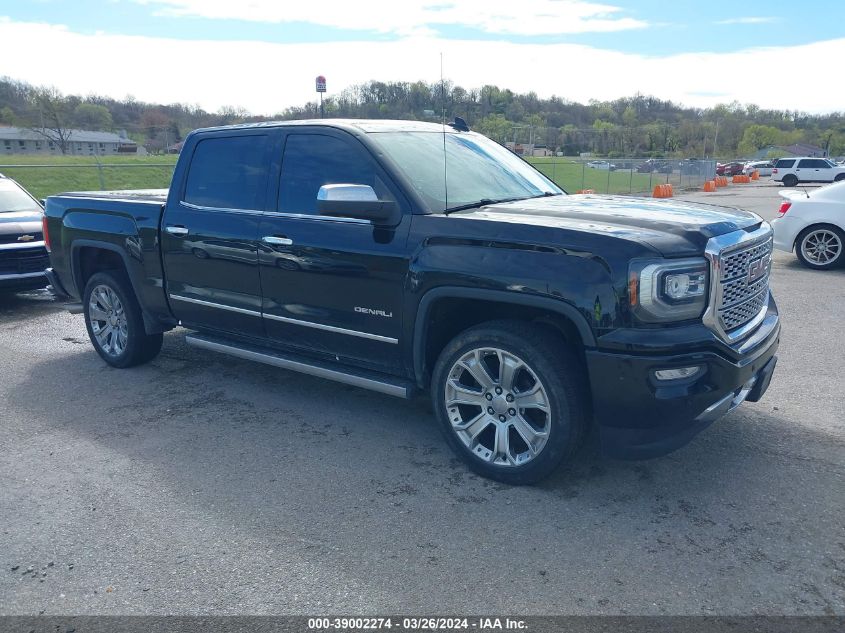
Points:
(758, 268)
(380, 313)
(26, 238)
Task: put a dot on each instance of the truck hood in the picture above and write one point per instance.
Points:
(672, 227)
(20, 223)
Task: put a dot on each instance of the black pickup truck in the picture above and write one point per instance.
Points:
(403, 256)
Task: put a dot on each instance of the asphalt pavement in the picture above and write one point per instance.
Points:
(203, 484)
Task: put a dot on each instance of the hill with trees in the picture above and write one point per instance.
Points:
(631, 126)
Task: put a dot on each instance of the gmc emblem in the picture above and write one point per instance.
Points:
(758, 268)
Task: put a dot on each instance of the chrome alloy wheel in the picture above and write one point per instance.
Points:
(108, 320)
(821, 247)
(498, 407)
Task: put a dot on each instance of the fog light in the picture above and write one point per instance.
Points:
(678, 373)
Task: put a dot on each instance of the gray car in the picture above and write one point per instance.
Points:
(23, 253)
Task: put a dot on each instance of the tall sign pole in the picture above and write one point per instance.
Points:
(321, 88)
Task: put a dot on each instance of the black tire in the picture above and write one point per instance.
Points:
(139, 346)
(838, 234)
(790, 180)
(839, 178)
(546, 358)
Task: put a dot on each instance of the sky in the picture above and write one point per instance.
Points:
(263, 55)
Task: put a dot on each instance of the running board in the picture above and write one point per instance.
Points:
(361, 378)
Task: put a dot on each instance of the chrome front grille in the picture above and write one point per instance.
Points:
(735, 264)
(740, 266)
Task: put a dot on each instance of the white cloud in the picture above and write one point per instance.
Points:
(527, 17)
(265, 78)
(749, 20)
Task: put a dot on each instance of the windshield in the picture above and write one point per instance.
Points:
(13, 198)
(477, 169)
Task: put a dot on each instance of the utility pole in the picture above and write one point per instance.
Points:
(715, 141)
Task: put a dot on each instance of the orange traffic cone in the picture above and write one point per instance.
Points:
(586, 191)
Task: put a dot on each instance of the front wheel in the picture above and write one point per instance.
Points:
(820, 247)
(510, 399)
(114, 322)
(839, 178)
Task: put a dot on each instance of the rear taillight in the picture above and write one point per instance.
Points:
(45, 233)
(784, 207)
(775, 170)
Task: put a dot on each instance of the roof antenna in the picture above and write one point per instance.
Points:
(443, 124)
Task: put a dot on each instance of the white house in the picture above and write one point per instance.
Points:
(15, 140)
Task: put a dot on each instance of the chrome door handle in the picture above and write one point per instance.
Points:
(277, 241)
(179, 231)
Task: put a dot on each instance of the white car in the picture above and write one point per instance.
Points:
(601, 164)
(763, 167)
(813, 225)
(791, 171)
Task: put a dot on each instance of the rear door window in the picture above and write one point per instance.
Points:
(229, 172)
(813, 163)
(784, 164)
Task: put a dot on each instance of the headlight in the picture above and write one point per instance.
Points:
(668, 290)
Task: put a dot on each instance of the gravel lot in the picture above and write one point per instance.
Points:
(200, 484)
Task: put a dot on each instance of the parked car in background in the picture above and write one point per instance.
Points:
(791, 171)
(812, 223)
(23, 257)
(601, 164)
(762, 167)
(655, 166)
(729, 169)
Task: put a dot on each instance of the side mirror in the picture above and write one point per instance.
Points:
(355, 201)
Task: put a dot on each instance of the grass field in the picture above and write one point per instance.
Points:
(572, 176)
(48, 175)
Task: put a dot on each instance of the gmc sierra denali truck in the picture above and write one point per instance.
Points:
(402, 256)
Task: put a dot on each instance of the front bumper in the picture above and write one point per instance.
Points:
(638, 417)
(25, 281)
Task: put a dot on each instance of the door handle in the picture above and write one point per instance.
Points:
(178, 231)
(276, 240)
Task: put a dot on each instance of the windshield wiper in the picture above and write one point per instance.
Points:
(472, 205)
(488, 201)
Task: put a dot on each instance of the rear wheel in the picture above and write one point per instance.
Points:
(820, 247)
(510, 400)
(790, 180)
(114, 322)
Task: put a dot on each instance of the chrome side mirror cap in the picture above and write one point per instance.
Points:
(356, 201)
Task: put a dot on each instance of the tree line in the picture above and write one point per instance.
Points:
(631, 126)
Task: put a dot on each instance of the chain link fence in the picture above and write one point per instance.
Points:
(631, 176)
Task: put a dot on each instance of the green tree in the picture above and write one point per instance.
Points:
(7, 115)
(90, 116)
(756, 137)
(496, 127)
